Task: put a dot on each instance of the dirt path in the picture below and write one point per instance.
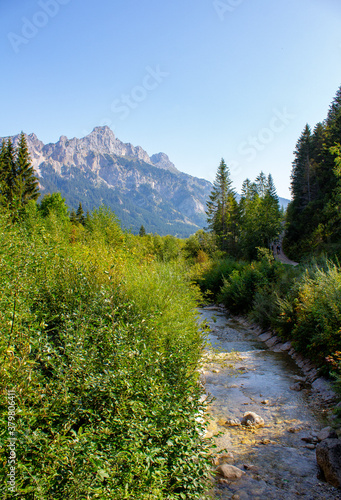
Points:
(281, 257)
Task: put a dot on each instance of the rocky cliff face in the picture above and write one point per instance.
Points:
(141, 189)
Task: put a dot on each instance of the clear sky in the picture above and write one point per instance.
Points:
(196, 79)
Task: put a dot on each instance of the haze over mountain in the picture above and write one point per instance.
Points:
(141, 189)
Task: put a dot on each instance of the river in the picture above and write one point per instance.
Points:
(278, 459)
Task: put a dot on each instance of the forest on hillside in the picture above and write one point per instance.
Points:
(314, 216)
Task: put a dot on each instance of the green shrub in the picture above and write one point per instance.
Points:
(102, 355)
(318, 313)
(212, 279)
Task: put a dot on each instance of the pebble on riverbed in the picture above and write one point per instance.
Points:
(230, 472)
(251, 419)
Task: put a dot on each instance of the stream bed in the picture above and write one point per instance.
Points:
(242, 375)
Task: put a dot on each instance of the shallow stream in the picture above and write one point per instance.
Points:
(242, 375)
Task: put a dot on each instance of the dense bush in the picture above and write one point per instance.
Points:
(101, 350)
(316, 312)
(211, 279)
(301, 305)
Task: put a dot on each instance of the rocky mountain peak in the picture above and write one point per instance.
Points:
(161, 160)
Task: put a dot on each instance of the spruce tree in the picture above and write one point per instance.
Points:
(80, 214)
(26, 183)
(87, 219)
(220, 217)
(73, 217)
(9, 173)
(142, 231)
(260, 215)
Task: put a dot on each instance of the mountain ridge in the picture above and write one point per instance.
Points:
(140, 189)
(99, 168)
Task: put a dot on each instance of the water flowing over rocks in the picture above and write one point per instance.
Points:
(279, 456)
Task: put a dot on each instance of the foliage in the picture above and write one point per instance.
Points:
(260, 222)
(222, 209)
(18, 182)
(101, 346)
(200, 246)
(239, 228)
(53, 203)
(313, 218)
(316, 316)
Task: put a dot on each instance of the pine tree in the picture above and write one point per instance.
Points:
(301, 172)
(87, 219)
(142, 231)
(335, 108)
(18, 182)
(73, 217)
(80, 215)
(260, 214)
(8, 173)
(220, 217)
(26, 183)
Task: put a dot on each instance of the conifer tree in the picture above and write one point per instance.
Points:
(80, 214)
(142, 231)
(260, 214)
(26, 183)
(2, 173)
(73, 217)
(8, 173)
(18, 182)
(221, 207)
(87, 219)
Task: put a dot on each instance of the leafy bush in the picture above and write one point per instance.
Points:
(101, 351)
(318, 313)
(211, 279)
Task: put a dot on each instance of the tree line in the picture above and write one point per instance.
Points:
(18, 182)
(254, 221)
(19, 185)
(313, 216)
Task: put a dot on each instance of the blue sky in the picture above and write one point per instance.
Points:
(196, 79)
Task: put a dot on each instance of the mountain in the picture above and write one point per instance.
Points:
(140, 189)
(99, 168)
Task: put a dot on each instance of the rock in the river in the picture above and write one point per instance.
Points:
(327, 433)
(251, 419)
(233, 422)
(328, 456)
(223, 458)
(230, 472)
(297, 387)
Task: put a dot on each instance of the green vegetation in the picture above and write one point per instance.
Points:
(313, 219)
(239, 228)
(100, 343)
(18, 183)
(301, 304)
(100, 340)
